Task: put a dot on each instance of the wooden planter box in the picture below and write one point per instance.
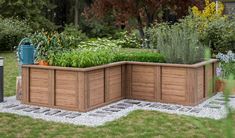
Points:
(85, 89)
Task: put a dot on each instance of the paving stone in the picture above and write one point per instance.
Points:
(164, 106)
(104, 112)
(118, 107)
(97, 115)
(125, 104)
(63, 114)
(212, 106)
(20, 107)
(196, 110)
(42, 111)
(111, 110)
(73, 115)
(221, 99)
(174, 107)
(132, 102)
(185, 109)
(52, 112)
(31, 109)
(232, 97)
(217, 102)
(144, 104)
(155, 105)
(10, 106)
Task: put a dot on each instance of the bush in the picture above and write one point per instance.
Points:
(178, 43)
(140, 56)
(219, 34)
(126, 40)
(11, 32)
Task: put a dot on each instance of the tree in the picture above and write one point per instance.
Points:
(31, 10)
(143, 12)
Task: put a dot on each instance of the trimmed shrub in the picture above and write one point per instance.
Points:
(11, 32)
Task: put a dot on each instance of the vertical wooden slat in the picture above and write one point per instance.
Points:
(128, 81)
(77, 89)
(157, 84)
(82, 99)
(51, 87)
(25, 85)
(124, 81)
(191, 86)
(106, 84)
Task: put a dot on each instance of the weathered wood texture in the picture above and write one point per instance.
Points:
(83, 90)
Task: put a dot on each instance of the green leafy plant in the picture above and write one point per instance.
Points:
(140, 56)
(128, 40)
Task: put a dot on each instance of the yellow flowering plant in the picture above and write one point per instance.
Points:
(209, 12)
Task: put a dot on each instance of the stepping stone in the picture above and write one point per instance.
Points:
(118, 107)
(217, 102)
(221, 99)
(20, 107)
(144, 104)
(155, 105)
(132, 102)
(196, 110)
(73, 115)
(31, 109)
(103, 112)
(164, 106)
(63, 114)
(185, 109)
(53, 112)
(111, 110)
(212, 106)
(41, 111)
(174, 107)
(97, 115)
(10, 106)
(125, 104)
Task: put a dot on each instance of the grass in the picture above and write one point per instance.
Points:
(137, 124)
(10, 72)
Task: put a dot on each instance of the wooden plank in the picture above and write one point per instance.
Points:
(191, 86)
(107, 84)
(128, 81)
(158, 83)
(124, 82)
(82, 99)
(51, 87)
(25, 85)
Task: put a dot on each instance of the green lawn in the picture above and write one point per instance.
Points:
(137, 124)
(10, 72)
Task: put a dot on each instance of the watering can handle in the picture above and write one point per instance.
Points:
(19, 50)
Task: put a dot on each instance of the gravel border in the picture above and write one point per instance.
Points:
(213, 108)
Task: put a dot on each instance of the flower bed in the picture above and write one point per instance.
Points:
(83, 89)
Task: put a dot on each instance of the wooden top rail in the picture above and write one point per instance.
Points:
(122, 63)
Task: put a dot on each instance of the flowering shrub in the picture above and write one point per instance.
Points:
(209, 12)
(227, 66)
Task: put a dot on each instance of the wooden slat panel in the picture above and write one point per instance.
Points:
(208, 80)
(200, 83)
(39, 90)
(143, 82)
(66, 89)
(95, 87)
(173, 84)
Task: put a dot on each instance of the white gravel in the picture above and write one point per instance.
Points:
(101, 118)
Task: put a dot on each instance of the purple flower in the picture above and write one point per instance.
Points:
(218, 72)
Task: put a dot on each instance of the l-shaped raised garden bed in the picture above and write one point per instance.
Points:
(84, 89)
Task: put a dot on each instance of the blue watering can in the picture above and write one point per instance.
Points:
(26, 51)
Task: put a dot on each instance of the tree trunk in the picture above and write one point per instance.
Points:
(76, 14)
(140, 28)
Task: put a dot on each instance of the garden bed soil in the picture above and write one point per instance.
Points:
(84, 89)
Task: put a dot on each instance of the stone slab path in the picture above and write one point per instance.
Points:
(212, 108)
